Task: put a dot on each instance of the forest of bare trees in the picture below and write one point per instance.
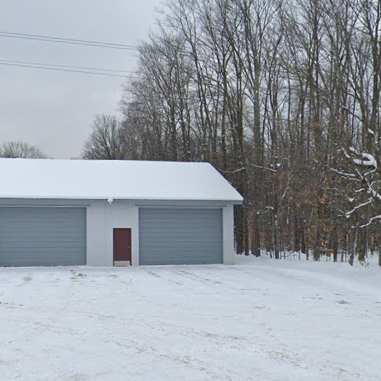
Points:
(283, 98)
(21, 150)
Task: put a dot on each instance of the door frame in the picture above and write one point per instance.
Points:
(128, 261)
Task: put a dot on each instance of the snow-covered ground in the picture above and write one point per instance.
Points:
(259, 320)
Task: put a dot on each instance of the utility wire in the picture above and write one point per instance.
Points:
(64, 69)
(63, 40)
(65, 66)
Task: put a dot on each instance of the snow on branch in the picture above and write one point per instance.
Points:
(374, 193)
(375, 218)
(371, 132)
(344, 174)
(350, 212)
(364, 168)
(235, 171)
(265, 168)
(361, 160)
(365, 160)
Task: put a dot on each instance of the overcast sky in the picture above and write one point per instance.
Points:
(54, 110)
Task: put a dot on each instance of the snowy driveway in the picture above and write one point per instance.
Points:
(259, 320)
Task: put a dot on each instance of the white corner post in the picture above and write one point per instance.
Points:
(228, 234)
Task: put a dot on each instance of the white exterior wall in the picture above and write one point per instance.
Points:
(228, 234)
(102, 218)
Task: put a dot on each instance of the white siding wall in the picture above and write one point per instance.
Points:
(103, 217)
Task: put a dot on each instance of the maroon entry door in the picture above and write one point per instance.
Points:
(122, 245)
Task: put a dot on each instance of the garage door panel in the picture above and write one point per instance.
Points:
(180, 236)
(42, 236)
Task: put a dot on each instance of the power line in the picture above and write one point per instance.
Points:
(64, 40)
(65, 70)
(65, 66)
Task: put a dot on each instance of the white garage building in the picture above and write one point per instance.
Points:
(105, 213)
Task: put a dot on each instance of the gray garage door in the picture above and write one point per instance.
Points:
(42, 236)
(180, 236)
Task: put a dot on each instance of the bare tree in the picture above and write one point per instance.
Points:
(106, 141)
(21, 150)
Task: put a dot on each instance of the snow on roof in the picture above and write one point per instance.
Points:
(101, 179)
